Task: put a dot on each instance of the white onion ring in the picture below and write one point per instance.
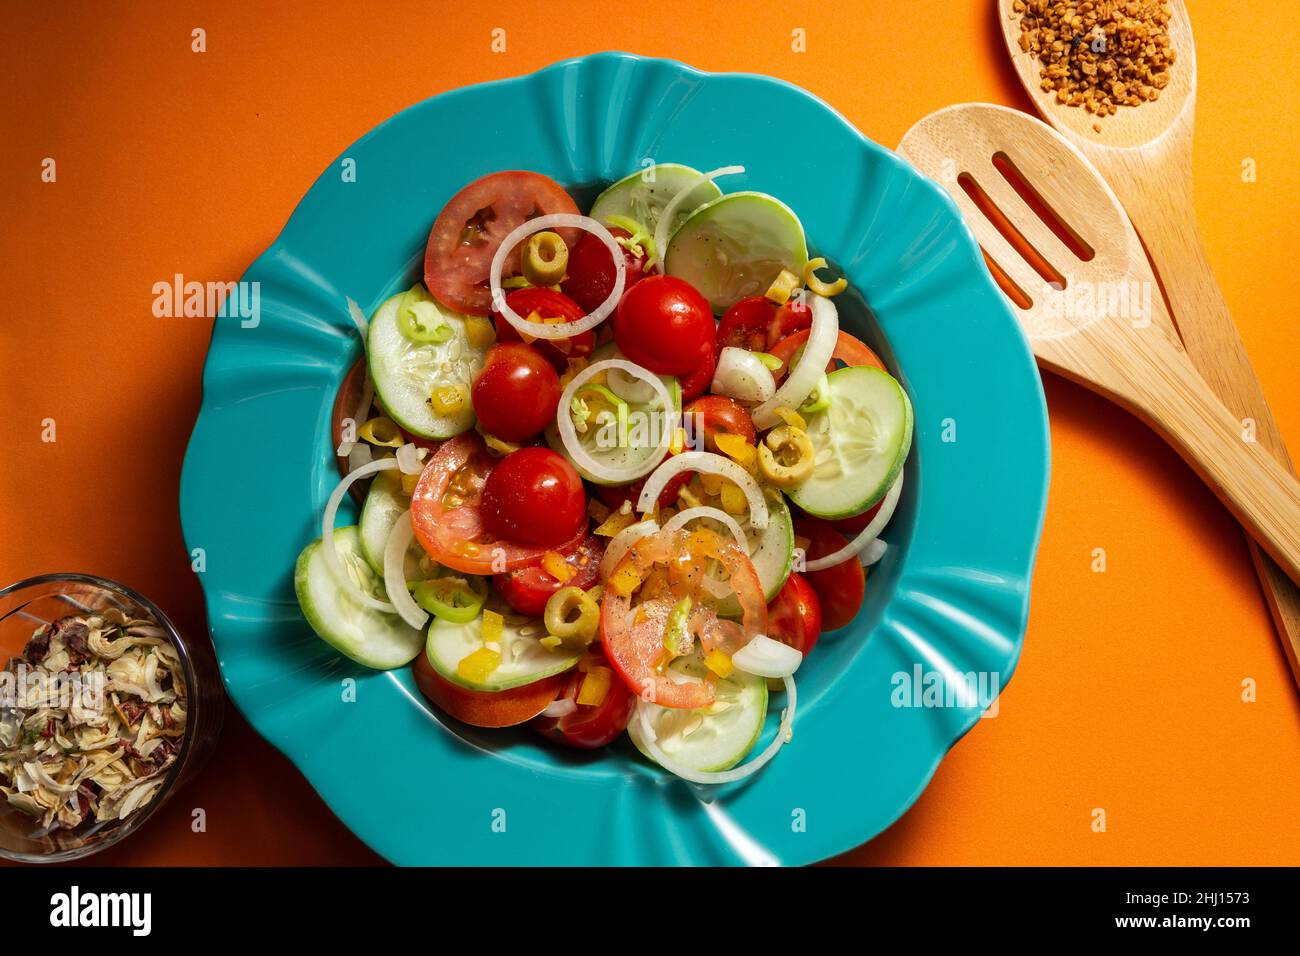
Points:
(620, 544)
(399, 542)
(557, 330)
(873, 552)
(709, 463)
(327, 533)
(803, 377)
(704, 511)
(726, 776)
(560, 708)
(764, 657)
(569, 434)
(742, 375)
(361, 322)
(666, 217)
(867, 534)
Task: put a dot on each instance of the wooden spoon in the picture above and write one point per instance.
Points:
(1097, 318)
(1145, 153)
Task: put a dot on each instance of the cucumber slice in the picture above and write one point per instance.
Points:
(523, 658)
(860, 441)
(735, 246)
(617, 457)
(771, 550)
(405, 373)
(712, 738)
(384, 505)
(643, 195)
(369, 637)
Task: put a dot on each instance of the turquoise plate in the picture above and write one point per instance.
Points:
(880, 701)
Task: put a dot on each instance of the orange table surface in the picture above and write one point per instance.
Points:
(1129, 694)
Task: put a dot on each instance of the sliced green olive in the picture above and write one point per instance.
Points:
(786, 457)
(546, 257)
(561, 607)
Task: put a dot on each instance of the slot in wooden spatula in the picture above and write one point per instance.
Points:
(1088, 302)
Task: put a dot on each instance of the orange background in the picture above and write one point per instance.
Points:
(1128, 696)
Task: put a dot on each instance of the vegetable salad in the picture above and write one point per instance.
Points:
(623, 468)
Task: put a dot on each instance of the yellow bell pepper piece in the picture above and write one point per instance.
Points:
(491, 627)
(625, 580)
(737, 449)
(553, 563)
(594, 687)
(477, 666)
(734, 501)
(550, 642)
(479, 331)
(719, 662)
(791, 418)
(615, 523)
(448, 399)
(408, 484)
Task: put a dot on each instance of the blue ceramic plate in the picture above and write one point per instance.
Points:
(948, 600)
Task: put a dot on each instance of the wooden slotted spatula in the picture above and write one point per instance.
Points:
(1145, 155)
(1088, 301)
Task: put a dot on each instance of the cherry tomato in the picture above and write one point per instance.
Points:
(632, 628)
(795, 615)
(548, 304)
(841, 587)
(616, 495)
(712, 414)
(849, 350)
(469, 230)
(528, 589)
(534, 496)
(589, 727)
(504, 708)
(665, 325)
(590, 276)
(448, 520)
(698, 382)
(854, 524)
(756, 323)
(516, 394)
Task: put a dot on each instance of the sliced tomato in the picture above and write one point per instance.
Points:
(528, 589)
(447, 520)
(469, 230)
(632, 628)
(503, 708)
(849, 350)
(756, 323)
(706, 417)
(548, 304)
(345, 406)
(795, 615)
(841, 587)
(697, 383)
(589, 727)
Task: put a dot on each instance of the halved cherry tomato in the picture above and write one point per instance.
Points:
(504, 708)
(534, 496)
(632, 628)
(469, 230)
(665, 325)
(548, 304)
(589, 727)
(841, 587)
(516, 394)
(590, 276)
(614, 496)
(795, 615)
(446, 515)
(712, 414)
(854, 524)
(756, 323)
(849, 350)
(528, 589)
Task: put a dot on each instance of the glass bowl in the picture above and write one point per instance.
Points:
(28, 604)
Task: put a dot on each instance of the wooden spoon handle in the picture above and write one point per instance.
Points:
(1171, 395)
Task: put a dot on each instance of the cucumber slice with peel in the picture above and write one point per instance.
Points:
(860, 443)
(523, 658)
(406, 373)
(643, 195)
(384, 505)
(369, 637)
(735, 246)
(712, 738)
(771, 551)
